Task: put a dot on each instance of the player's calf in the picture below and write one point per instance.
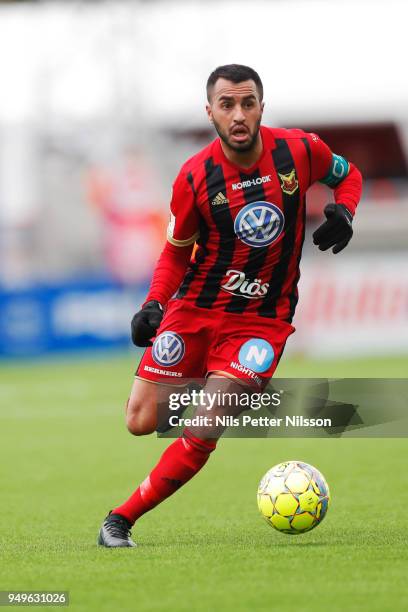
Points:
(181, 461)
(222, 399)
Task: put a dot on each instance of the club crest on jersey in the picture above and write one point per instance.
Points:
(289, 182)
(168, 349)
(259, 224)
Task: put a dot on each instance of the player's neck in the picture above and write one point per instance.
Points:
(245, 159)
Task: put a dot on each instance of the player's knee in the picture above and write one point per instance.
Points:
(141, 418)
(140, 425)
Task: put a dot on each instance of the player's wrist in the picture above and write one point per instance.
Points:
(153, 303)
(349, 213)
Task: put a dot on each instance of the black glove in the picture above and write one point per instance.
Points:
(336, 232)
(145, 323)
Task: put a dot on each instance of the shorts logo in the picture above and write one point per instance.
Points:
(168, 349)
(259, 224)
(289, 182)
(256, 354)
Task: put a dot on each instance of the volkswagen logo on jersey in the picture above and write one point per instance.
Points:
(259, 224)
(168, 349)
(256, 354)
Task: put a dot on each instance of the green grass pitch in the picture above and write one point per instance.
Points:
(66, 459)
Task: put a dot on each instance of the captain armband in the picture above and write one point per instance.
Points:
(339, 169)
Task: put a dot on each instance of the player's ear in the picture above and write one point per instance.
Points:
(262, 107)
(209, 112)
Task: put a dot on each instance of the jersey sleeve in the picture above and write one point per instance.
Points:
(320, 158)
(336, 172)
(169, 272)
(184, 220)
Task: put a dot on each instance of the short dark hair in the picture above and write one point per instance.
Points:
(235, 73)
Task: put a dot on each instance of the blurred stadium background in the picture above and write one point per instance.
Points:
(102, 101)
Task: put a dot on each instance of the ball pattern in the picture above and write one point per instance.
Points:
(293, 497)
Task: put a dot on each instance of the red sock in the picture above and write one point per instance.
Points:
(179, 462)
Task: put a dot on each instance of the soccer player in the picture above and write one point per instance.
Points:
(241, 201)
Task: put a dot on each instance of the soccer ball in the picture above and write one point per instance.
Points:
(293, 497)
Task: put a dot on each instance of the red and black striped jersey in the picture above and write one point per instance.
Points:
(249, 223)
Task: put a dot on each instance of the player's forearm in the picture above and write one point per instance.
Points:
(348, 192)
(169, 272)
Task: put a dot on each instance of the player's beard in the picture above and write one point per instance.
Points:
(239, 148)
